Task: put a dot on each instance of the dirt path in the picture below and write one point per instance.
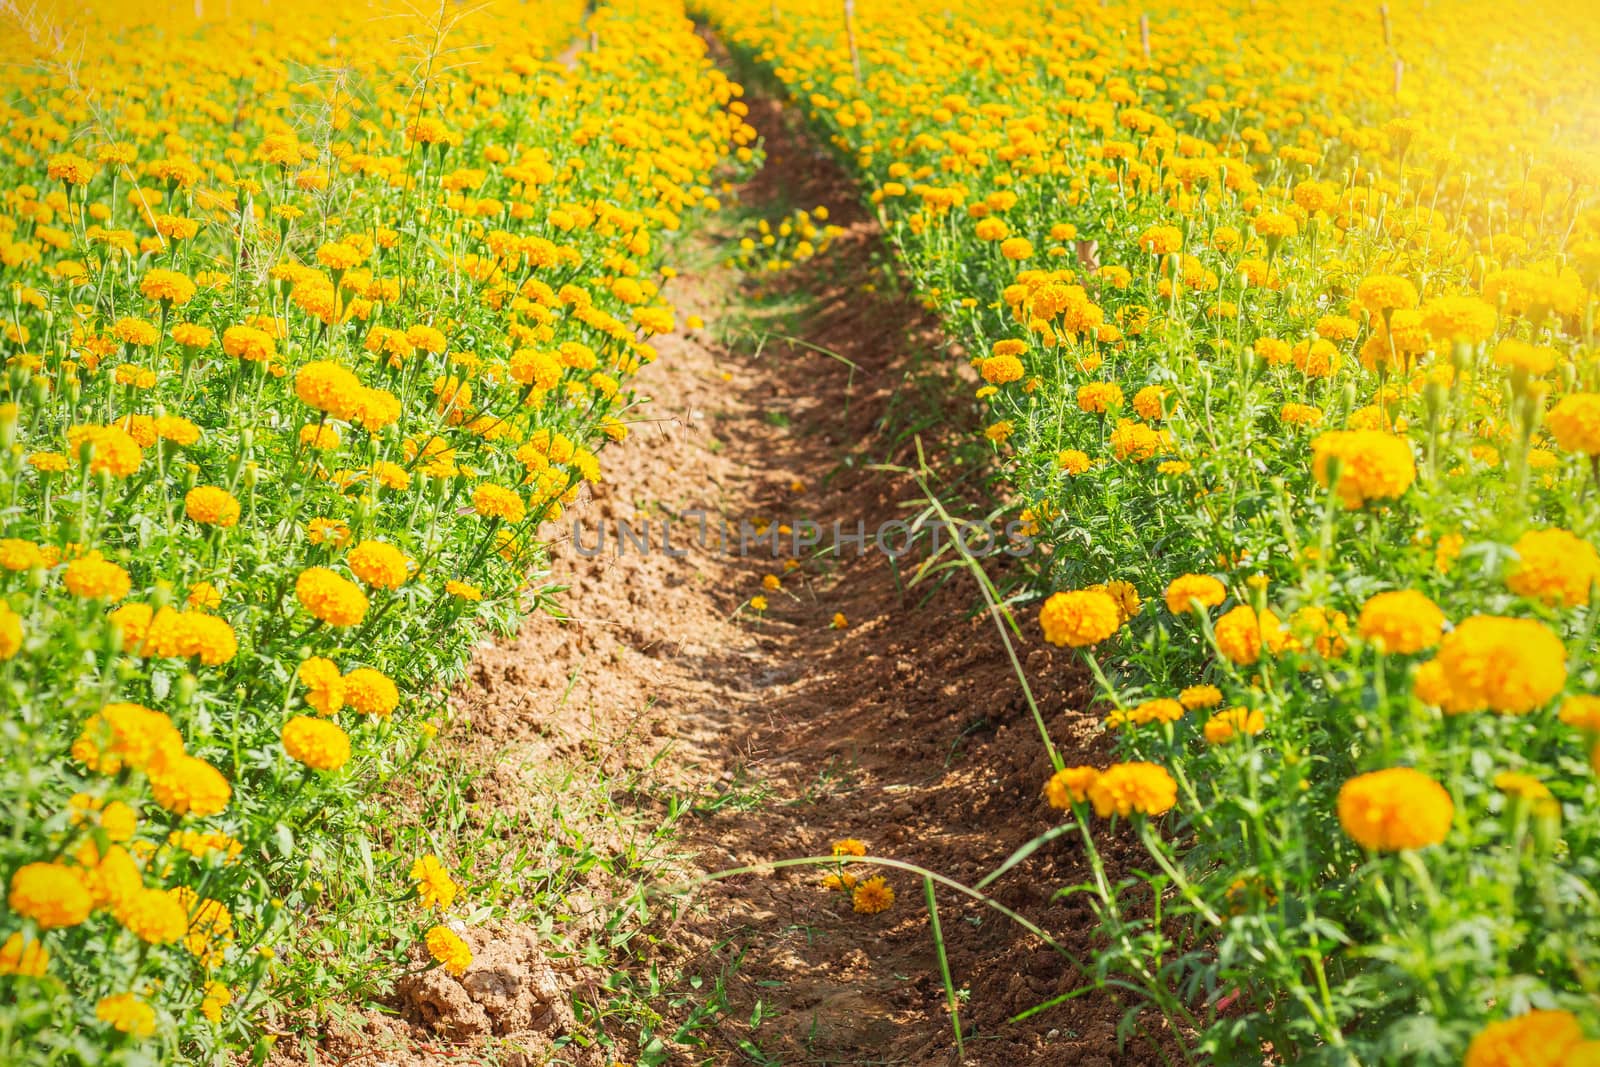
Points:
(905, 729)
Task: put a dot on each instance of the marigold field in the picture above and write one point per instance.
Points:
(1281, 324)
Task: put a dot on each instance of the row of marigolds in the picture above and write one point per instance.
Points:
(294, 369)
(1301, 337)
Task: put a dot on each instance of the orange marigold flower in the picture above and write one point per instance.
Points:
(317, 743)
(1126, 788)
(371, 692)
(51, 894)
(379, 564)
(1508, 666)
(1394, 809)
(334, 600)
(1229, 723)
(1069, 786)
(1534, 1039)
(211, 505)
(1554, 566)
(1575, 423)
(1187, 592)
(1081, 618)
(1372, 465)
(448, 949)
(1401, 623)
(1243, 634)
(872, 896)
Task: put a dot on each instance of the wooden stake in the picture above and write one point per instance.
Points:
(1399, 73)
(1144, 35)
(1383, 13)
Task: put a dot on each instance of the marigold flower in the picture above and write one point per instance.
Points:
(218, 996)
(1225, 725)
(167, 286)
(435, 887)
(125, 735)
(1187, 592)
(371, 692)
(127, 1013)
(1508, 666)
(1554, 566)
(1582, 713)
(185, 785)
(1080, 618)
(1535, 1039)
(329, 388)
(248, 344)
(449, 950)
(210, 505)
(1099, 397)
(999, 370)
(1072, 461)
(153, 915)
(1200, 697)
(497, 502)
(1161, 709)
(872, 896)
(24, 957)
(10, 632)
(1400, 623)
(51, 894)
(1382, 293)
(319, 744)
(1372, 465)
(1126, 788)
(380, 565)
(1575, 423)
(1394, 809)
(1069, 786)
(324, 683)
(334, 600)
(850, 846)
(1243, 634)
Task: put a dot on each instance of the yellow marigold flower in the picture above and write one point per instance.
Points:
(1525, 787)
(1080, 618)
(497, 502)
(128, 1014)
(1099, 397)
(850, 846)
(218, 996)
(463, 590)
(1200, 697)
(1535, 1039)
(435, 887)
(1459, 318)
(319, 744)
(1554, 566)
(248, 344)
(51, 894)
(379, 564)
(203, 596)
(1508, 666)
(1069, 786)
(1190, 592)
(1372, 465)
(192, 335)
(111, 449)
(19, 555)
(872, 896)
(758, 603)
(1225, 725)
(335, 532)
(1016, 248)
(1394, 809)
(125, 735)
(1072, 461)
(445, 947)
(154, 916)
(1383, 293)
(334, 600)
(999, 370)
(185, 785)
(10, 632)
(324, 684)
(1575, 423)
(210, 505)
(1582, 713)
(24, 957)
(839, 622)
(1243, 634)
(1125, 788)
(167, 286)
(1301, 415)
(371, 692)
(70, 169)
(1161, 709)
(330, 388)
(1401, 623)
(1161, 240)
(319, 435)
(1150, 403)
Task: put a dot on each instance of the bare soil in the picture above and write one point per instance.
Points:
(906, 729)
